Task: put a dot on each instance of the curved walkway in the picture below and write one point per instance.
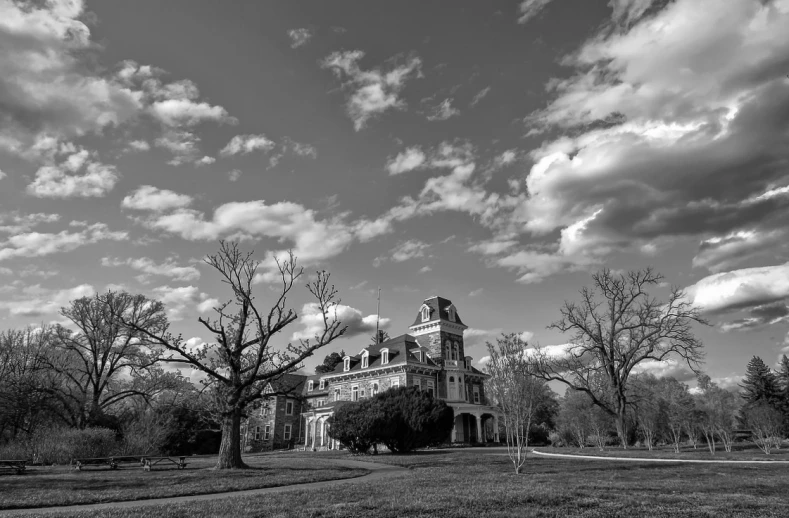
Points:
(377, 471)
(642, 459)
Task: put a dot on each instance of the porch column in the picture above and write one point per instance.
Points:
(496, 427)
(478, 417)
(323, 432)
(314, 432)
(454, 429)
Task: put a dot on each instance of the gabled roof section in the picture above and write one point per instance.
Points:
(400, 353)
(288, 384)
(438, 311)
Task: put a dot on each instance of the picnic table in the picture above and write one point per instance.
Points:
(146, 461)
(16, 464)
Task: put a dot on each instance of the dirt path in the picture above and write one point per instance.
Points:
(377, 471)
(635, 459)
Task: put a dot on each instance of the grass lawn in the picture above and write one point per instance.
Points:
(475, 484)
(50, 486)
(740, 451)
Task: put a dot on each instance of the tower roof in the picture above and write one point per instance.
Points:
(439, 310)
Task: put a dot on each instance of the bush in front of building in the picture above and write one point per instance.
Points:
(402, 418)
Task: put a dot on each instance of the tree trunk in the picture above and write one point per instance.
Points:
(621, 427)
(230, 447)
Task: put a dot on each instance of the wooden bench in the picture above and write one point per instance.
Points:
(146, 461)
(112, 462)
(19, 466)
(150, 462)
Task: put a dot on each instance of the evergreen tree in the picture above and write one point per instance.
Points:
(760, 384)
(783, 387)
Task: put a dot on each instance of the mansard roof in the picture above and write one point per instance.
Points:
(438, 311)
(402, 351)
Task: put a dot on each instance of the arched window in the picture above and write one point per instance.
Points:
(346, 364)
(425, 314)
(365, 360)
(375, 389)
(455, 351)
(310, 386)
(448, 349)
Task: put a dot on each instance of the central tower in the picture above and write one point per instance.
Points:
(439, 329)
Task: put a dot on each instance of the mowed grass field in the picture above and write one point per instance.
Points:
(480, 483)
(740, 451)
(54, 486)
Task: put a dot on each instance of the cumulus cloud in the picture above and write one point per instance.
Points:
(148, 197)
(182, 301)
(738, 289)
(670, 368)
(206, 160)
(36, 301)
(311, 320)
(245, 144)
(299, 37)
(408, 160)
(372, 92)
(36, 244)
(78, 175)
(234, 175)
(661, 115)
(139, 145)
(49, 88)
(169, 268)
(15, 222)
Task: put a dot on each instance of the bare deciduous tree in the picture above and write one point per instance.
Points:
(617, 326)
(517, 392)
(105, 362)
(242, 361)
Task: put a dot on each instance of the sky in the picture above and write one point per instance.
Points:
(493, 153)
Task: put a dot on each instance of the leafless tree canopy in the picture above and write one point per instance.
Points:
(104, 361)
(615, 327)
(242, 361)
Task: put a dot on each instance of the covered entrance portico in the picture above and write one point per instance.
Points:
(316, 431)
(471, 423)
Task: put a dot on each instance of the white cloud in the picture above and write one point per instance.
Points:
(234, 175)
(244, 144)
(301, 149)
(181, 302)
(737, 289)
(139, 145)
(2, 174)
(186, 112)
(443, 111)
(50, 89)
(528, 9)
(36, 244)
(408, 160)
(404, 251)
(311, 320)
(184, 146)
(148, 197)
(207, 305)
(299, 37)
(169, 268)
(425, 269)
(476, 293)
(206, 160)
(479, 96)
(373, 91)
(670, 368)
(15, 223)
(78, 175)
(35, 301)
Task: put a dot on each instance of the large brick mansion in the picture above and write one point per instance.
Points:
(432, 358)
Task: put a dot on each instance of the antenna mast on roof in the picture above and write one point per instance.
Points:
(378, 318)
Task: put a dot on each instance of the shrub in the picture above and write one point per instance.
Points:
(402, 419)
(60, 445)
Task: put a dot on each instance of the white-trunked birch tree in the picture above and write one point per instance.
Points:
(617, 326)
(516, 391)
(242, 361)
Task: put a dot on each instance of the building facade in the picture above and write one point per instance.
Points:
(276, 423)
(431, 358)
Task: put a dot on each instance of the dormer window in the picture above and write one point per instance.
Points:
(365, 360)
(310, 386)
(418, 355)
(451, 313)
(323, 384)
(384, 356)
(425, 313)
(346, 364)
